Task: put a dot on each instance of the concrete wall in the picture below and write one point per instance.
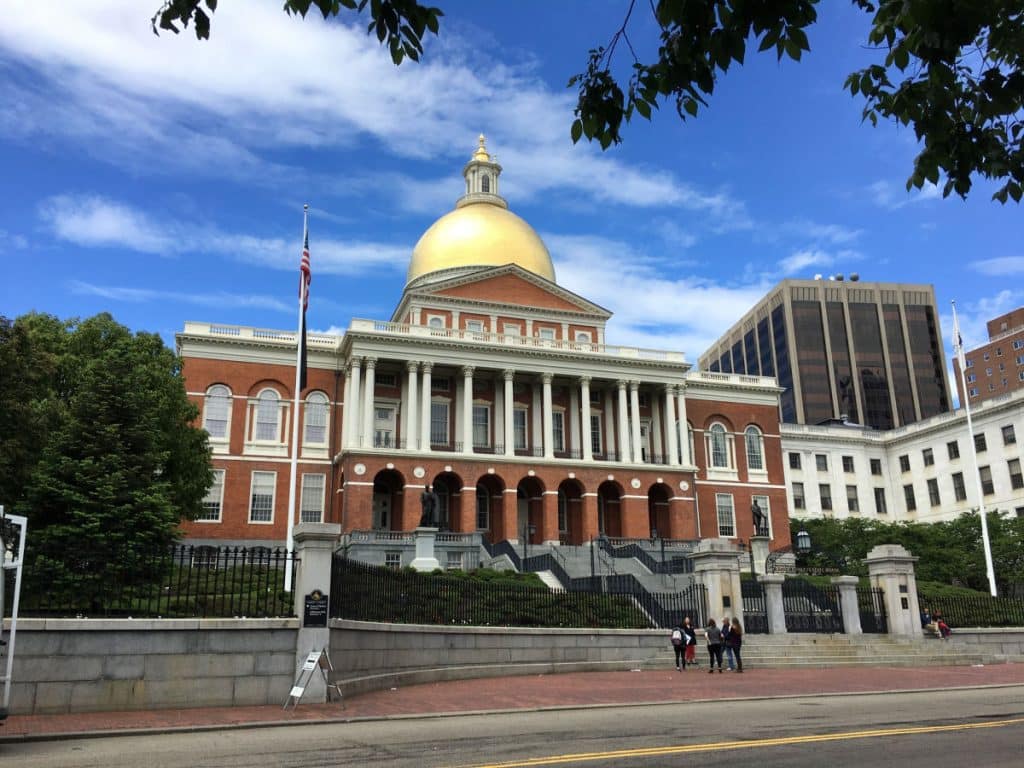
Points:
(1007, 642)
(370, 656)
(81, 665)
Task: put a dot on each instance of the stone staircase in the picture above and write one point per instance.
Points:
(810, 651)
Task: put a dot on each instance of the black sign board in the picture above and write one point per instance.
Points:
(315, 614)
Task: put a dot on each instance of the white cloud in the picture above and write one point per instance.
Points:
(95, 221)
(12, 242)
(219, 300)
(885, 194)
(1002, 266)
(803, 259)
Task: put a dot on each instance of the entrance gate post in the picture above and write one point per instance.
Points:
(847, 586)
(891, 569)
(314, 549)
(716, 566)
(773, 605)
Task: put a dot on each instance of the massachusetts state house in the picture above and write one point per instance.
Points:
(498, 388)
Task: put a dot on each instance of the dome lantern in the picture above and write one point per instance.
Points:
(481, 174)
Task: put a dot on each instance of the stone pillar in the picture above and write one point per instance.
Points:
(346, 406)
(366, 423)
(773, 608)
(573, 425)
(510, 431)
(716, 566)
(314, 548)
(891, 569)
(625, 451)
(425, 559)
(467, 408)
(425, 409)
(634, 419)
(847, 586)
(547, 418)
(759, 547)
(684, 433)
(550, 534)
(657, 424)
(671, 433)
(352, 416)
(586, 438)
(411, 432)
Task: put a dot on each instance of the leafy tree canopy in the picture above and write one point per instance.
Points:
(951, 69)
(97, 446)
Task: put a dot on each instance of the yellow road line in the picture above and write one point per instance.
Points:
(747, 744)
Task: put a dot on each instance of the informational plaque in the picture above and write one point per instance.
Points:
(315, 613)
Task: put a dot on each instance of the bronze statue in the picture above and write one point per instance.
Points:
(760, 519)
(429, 504)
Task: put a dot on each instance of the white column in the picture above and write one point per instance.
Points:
(670, 426)
(366, 434)
(346, 408)
(625, 448)
(467, 408)
(354, 408)
(684, 435)
(634, 418)
(588, 453)
(549, 437)
(425, 409)
(498, 416)
(510, 432)
(536, 422)
(657, 449)
(573, 419)
(411, 425)
(609, 423)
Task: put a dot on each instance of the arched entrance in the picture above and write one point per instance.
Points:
(529, 511)
(609, 509)
(659, 520)
(570, 512)
(448, 487)
(387, 501)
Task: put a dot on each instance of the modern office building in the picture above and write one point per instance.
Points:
(495, 386)
(997, 367)
(866, 353)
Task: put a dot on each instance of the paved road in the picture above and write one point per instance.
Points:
(983, 726)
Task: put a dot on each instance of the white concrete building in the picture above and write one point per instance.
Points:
(920, 472)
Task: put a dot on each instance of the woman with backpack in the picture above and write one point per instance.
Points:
(679, 646)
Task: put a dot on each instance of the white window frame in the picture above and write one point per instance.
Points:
(303, 497)
(483, 508)
(259, 406)
(558, 444)
(546, 334)
(729, 509)
(218, 394)
(584, 337)
(717, 470)
(525, 429)
(436, 402)
(754, 432)
(485, 409)
(318, 407)
(475, 326)
(273, 496)
(391, 407)
(214, 497)
(596, 441)
(511, 329)
(437, 322)
(267, 401)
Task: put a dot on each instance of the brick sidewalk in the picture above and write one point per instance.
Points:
(524, 693)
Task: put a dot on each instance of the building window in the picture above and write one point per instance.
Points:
(985, 356)
(483, 509)
(217, 412)
(971, 378)
(799, 501)
(435, 321)
(1019, 344)
(765, 504)
(904, 463)
(1016, 479)
(1009, 436)
(825, 492)
(485, 183)
(953, 449)
(908, 496)
(726, 515)
(563, 511)
(439, 423)
(213, 502)
(475, 326)
(481, 426)
(959, 490)
(848, 464)
(392, 559)
(519, 428)
(876, 466)
(973, 392)
(383, 426)
(386, 379)
(880, 507)
(546, 333)
(311, 505)
(583, 336)
(595, 433)
(821, 461)
(928, 457)
(852, 502)
(979, 443)
(719, 447)
(558, 431)
(268, 416)
(316, 419)
(512, 329)
(988, 371)
(755, 449)
(999, 351)
(985, 473)
(794, 460)
(933, 492)
(261, 497)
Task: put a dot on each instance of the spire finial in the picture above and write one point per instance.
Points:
(481, 150)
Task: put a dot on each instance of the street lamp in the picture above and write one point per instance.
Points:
(803, 542)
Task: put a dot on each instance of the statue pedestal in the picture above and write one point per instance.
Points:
(425, 559)
(759, 546)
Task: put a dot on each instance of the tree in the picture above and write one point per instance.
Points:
(951, 69)
(106, 463)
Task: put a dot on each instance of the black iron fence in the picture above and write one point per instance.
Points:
(184, 582)
(371, 593)
(871, 604)
(811, 608)
(755, 615)
(980, 611)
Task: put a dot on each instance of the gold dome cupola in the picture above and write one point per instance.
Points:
(480, 232)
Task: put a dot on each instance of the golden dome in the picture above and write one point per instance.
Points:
(480, 234)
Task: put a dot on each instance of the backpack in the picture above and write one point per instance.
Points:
(677, 637)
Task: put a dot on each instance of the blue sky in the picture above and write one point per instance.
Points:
(162, 179)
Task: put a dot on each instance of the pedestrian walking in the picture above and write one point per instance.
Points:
(691, 641)
(714, 637)
(730, 658)
(678, 638)
(736, 642)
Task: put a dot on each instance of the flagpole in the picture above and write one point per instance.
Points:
(290, 544)
(959, 346)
